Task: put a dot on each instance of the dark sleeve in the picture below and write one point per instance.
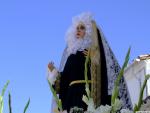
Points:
(64, 80)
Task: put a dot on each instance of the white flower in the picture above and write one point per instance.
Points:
(90, 103)
(117, 105)
(85, 99)
(103, 109)
(146, 107)
(126, 111)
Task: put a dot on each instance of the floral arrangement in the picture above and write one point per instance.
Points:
(116, 104)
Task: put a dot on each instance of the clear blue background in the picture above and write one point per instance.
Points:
(32, 34)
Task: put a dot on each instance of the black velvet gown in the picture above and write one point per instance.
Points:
(71, 96)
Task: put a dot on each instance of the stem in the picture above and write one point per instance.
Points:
(121, 73)
(9, 103)
(137, 107)
(85, 74)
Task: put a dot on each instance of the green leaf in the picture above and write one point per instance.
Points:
(1, 97)
(140, 101)
(9, 103)
(27, 105)
(121, 73)
(1, 104)
(85, 75)
(58, 101)
(4, 89)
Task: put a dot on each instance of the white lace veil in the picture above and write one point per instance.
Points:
(74, 44)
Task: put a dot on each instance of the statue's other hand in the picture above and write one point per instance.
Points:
(85, 52)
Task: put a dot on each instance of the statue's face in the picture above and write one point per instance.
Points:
(80, 32)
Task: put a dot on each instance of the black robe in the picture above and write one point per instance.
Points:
(71, 96)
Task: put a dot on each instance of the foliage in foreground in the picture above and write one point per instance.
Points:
(9, 100)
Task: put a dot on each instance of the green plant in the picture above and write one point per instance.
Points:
(1, 97)
(116, 85)
(58, 101)
(140, 101)
(9, 103)
(9, 100)
(26, 106)
(85, 75)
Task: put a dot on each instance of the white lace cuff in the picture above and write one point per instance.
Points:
(52, 75)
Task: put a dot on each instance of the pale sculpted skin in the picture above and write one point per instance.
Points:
(80, 31)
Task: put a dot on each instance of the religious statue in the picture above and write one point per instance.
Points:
(83, 36)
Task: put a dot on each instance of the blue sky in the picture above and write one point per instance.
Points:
(32, 34)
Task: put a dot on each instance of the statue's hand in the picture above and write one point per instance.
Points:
(52, 73)
(51, 66)
(85, 52)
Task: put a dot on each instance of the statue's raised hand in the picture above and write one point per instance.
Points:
(51, 66)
